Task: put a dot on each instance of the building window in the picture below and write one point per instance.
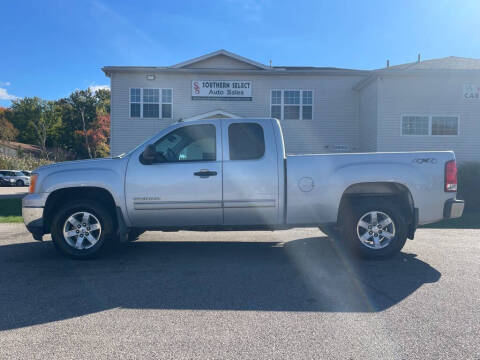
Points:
(276, 111)
(444, 125)
(429, 125)
(291, 100)
(167, 103)
(307, 104)
(292, 104)
(151, 103)
(415, 125)
(134, 102)
(341, 148)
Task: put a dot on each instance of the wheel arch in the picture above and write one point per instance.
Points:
(60, 196)
(395, 191)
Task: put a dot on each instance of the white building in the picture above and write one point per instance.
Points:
(425, 105)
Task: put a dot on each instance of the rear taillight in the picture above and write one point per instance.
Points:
(451, 176)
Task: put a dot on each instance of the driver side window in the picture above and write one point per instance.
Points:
(188, 143)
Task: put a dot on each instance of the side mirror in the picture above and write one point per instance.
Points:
(148, 155)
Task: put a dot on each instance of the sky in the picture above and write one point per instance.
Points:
(48, 48)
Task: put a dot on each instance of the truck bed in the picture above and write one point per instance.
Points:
(315, 183)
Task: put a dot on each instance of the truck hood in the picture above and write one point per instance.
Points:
(103, 162)
(103, 173)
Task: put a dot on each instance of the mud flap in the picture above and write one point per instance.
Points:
(122, 230)
(413, 226)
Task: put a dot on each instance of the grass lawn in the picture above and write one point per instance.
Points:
(11, 219)
(11, 211)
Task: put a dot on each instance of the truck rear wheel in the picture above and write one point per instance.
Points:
(374, 228)
(82, 229)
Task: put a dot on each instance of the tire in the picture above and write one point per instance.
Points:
(374, 243)
(104, 237)
(20, 183)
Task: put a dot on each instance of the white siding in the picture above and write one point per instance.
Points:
(335, 109)
(428, 95)
(368, 117)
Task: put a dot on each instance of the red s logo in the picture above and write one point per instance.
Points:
(196, 88)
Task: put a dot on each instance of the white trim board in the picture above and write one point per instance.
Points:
(213, 113)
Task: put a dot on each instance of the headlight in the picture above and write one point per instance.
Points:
(33, 182)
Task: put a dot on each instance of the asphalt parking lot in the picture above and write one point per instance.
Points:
(285, 294)
(13, 191)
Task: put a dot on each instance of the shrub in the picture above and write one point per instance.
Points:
(21, 163)
(469, 185)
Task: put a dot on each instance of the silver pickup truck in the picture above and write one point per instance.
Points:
(233, 174)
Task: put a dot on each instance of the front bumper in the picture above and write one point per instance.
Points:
(33, 219)
(453, 208)
(32, 213)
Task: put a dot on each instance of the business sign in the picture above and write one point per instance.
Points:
(240, 90)
(471, 92)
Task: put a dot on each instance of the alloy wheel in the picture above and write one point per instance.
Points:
(375, 230)
(82, 230)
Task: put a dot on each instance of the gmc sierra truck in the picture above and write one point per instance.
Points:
(233, 174)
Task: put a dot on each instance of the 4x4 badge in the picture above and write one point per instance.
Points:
(425, 160)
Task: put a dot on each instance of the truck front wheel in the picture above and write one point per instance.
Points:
(374, 228)
(82, 229)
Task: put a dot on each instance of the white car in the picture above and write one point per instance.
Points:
(15, 177)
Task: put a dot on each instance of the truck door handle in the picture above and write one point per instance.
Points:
(205, 173)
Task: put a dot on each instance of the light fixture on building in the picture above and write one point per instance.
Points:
(150, 77)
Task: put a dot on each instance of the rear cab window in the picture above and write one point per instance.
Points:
(246, 141)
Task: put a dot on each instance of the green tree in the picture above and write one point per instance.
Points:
(67, 126)
(25, 112)
(7, 130)
(103, 101)
(65, 135)
(99, 136)
(48, 120)
(84, 105)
